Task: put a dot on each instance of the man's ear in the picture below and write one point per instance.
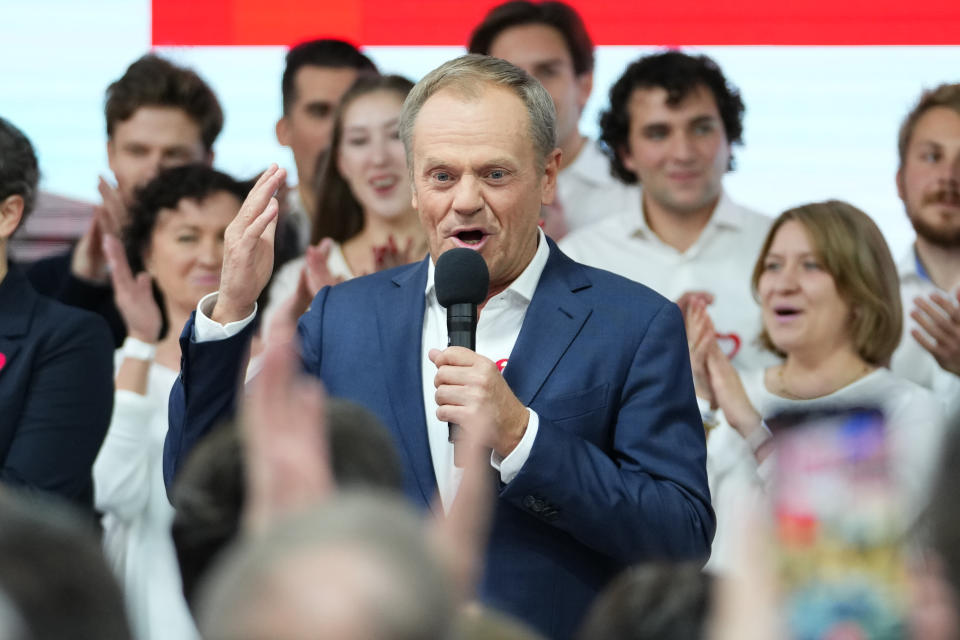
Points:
(901, 191)
(283, 131)
(623, 152)
(111, 155)
(551, 168)
(584, 88)
(11, 213)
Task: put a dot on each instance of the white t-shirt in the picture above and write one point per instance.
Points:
(914, 420)
(129, 491)
(910, 360)
(721, 262)
(588, 191)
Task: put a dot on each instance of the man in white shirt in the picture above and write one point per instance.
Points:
(672, 121)
(549, 41)
(928, 181)
(592, 424)
(316, 75)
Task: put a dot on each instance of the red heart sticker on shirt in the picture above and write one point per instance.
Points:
(729, 344)
(3, 360)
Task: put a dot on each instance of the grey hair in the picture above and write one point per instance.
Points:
(467, 76)
(19, 172)
(372, 529)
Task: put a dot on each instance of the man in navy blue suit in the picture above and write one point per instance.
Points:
(580, 384)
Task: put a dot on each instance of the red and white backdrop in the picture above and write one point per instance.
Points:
(826, 83)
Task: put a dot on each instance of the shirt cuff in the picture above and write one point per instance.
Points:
(207, 330)
(510, 466)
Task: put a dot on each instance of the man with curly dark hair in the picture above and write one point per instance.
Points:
(671, 125)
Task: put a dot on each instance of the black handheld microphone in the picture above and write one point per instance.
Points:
(461, 279)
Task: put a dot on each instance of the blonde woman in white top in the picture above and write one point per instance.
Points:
(830, 302)
(365, 221)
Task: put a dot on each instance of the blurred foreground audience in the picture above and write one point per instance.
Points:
(54, 582)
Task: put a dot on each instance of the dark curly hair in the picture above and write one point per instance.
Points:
(558, 15)
(188, 182)
(152, 81)
(19, 172)
(678, 74)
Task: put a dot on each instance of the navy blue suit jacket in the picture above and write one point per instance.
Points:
(56, 391)
(617, 472)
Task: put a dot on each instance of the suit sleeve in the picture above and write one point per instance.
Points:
(646, 495)
(204, 394)
(66, 411)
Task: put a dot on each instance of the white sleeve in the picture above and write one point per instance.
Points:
(121, 472)
(510, 466)
(206, 330)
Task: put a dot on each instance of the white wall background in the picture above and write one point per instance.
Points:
(821, 122)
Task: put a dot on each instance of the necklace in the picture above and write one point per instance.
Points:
(785, 391)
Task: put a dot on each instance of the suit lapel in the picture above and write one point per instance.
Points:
(400, 323)
(553, 320)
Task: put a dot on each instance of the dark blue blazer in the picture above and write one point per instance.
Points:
(617, 473)
(56, 391)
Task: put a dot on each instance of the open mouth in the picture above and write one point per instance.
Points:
(786, 312)
(471, 238)
(383, 183)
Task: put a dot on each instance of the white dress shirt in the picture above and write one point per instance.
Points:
(910, 360)
(587, 190)
(497, 331)
(720, 261)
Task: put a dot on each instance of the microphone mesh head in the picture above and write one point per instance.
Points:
(460, 277)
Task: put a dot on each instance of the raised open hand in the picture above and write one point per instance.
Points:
(133, 294)
(248, 250)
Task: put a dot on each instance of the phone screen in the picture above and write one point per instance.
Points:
(839, 527)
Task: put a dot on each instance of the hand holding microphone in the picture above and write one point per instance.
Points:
(470, 389)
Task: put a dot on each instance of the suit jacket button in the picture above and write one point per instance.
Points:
(528, 502)
(538, 506)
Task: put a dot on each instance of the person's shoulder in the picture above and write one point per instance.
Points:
(375, 283)
(608, 289)
(46, 274)
(62, 324)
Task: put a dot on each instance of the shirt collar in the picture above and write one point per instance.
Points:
(591, 164)
(910, 265)
(726, 214)
(524, 285)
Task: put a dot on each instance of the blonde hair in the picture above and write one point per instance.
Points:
(852, 250)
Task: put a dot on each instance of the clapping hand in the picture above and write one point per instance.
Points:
(390, 254)
(133, 294)
(89, 261)
(314, 276)
(941, 329)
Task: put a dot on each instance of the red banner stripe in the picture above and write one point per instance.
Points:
(449, 22)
